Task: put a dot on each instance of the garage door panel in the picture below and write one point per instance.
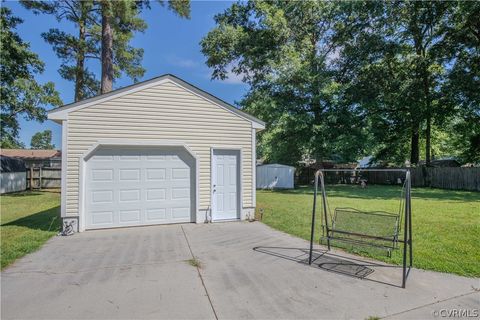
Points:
(180, 213)
(129, 195)
(156, 214)
(129, 158)
(128, 187)
(156, 194)
(102, 196)
(181, 174)
(102, 218)
(129, 175)
(129, 216)
(100, 158)
(102, 175)
(155, 174)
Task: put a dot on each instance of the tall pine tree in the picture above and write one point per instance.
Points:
(119, 20)
(20, 94)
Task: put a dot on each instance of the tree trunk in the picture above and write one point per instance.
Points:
(80, 67)
(316, 107)
(420, 75)
(107, 49)
(428, 139)
(428, 131)
(414, 151)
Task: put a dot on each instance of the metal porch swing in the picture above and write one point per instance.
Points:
(378, 229)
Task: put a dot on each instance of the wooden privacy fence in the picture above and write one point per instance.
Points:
(44, 178)
(443, 177)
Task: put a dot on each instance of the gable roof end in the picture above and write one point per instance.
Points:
(61, 113)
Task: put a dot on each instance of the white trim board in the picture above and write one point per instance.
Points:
(254, 167)
(63, 192)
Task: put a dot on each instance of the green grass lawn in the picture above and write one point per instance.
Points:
(28, 220)
(446, 223)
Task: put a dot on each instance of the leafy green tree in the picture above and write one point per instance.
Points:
(42, 140)
(393, 56)
(20, 94)
(338, 79)
(461, 48)
(282, 49)
(423, 23)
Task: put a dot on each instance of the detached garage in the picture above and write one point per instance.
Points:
(161, 151)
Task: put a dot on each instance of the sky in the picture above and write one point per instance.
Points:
(171, 45)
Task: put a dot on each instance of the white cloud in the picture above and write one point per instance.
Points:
(182, 62)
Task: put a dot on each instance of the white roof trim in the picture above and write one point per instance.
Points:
(61, 113)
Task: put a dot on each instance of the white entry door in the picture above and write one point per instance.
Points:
(225, 185)
(138, 186)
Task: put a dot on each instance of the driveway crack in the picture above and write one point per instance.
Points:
(199, 274)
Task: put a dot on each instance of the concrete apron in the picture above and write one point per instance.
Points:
(247, 270)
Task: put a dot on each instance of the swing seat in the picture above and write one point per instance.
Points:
(378, 229)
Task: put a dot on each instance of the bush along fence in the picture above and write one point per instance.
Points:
(454, 178)
(44, 178)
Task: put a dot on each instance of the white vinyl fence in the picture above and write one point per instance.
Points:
(275, 176)
(12, 175)
(13, 182)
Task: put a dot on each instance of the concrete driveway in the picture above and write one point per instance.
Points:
(145, 272)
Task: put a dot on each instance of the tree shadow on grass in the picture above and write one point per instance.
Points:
(47, 220)
(23, 194)
(387, 192)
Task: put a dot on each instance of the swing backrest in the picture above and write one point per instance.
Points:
(376, 226)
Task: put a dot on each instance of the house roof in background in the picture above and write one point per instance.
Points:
(30, 154)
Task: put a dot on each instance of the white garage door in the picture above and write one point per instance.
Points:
(132, 186)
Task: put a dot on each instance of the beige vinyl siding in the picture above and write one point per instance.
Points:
(163, 112)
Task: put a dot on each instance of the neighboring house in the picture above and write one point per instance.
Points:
(443, 163)
(13, 175)
(348, 165)
(365, 162)
(35, 158)
(160, 151)
(275, 176)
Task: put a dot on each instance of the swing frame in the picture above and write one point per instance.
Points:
(407, 218)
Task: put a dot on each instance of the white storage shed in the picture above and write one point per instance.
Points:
(13, 175)
(275, 176)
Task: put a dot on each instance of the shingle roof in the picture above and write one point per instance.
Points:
(30, 153)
